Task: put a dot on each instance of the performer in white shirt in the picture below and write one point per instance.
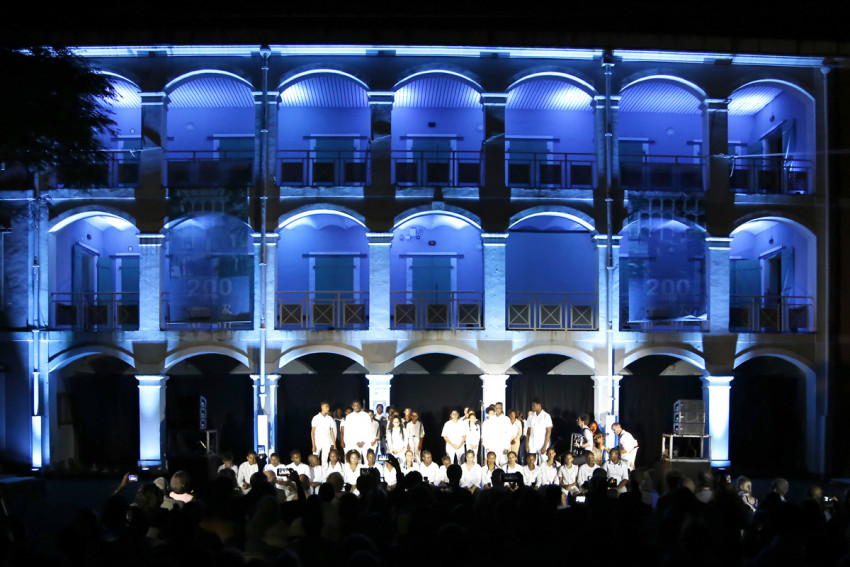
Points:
(488, 469)
(351, 471)
(628, 445)
(317, 473)
(454, 434)
(415, 432)
(323, 433)
(334, 464)
(442, 474)
(586, 441)
(246, 469)
(408, 465)
(496, 434)
(357, 432)
(396, 438)
(531, 472)
(471, 479)
(585, 471)
(428, 468)
(515, 433)
(277, 469)
(568, 478)
(539, 430)
(473, 435)
(548, 469)
(617, 469)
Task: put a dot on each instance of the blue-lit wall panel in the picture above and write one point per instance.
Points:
(573, 129)
(128, 122)
(669, 132)
(785, 107)
(550, 262)
(191, 128)
(467, 123)
(304, 239)
(296, 125)
(750, 245)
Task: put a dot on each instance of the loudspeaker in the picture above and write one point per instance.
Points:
(689, 428)
(690, 467)
(689, 406)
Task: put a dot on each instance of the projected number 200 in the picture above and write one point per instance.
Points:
(222, 286)
(667, 287)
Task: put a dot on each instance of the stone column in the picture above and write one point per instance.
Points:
(379, 389)
(493, 387)
(381, 106)
(715, 393)
(151, 420)
(261, 419)
(718, 283)
(494, 281)
(271, 409)
(259, 131)
(379, 280)
(154, 141)
(606, 404)
(494, 142)
(718, 198)
(150, 281)
(608, 282)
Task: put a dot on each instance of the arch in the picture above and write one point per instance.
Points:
(686, 222)
(760, 216)
(799, 362)
(413, 352)
(79, 213)
(685, 84)
(676, 352)
(564, 77)
(177, 82)
(119, 77)
(780, 84)
(445, 72)
(564, 350)
(188, 352)
(437, 208)
(170, 225)
(569, 213)
(66, 357)
(298, 352)
(315, 209)
(303, 75)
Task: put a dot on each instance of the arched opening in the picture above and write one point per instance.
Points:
(773, 277)
(434, 385)
(325, 133)
(94, 274)
(97, 415)
(210, 124)
(660, 134)
(304, 384)
(551, 274)
(549, 134)
(322, 273)
(563, 385)
(208, 274)
(647, 396)
(437, 132)
(772, 138)
(662, 276)
(436, 273)
(774, 390)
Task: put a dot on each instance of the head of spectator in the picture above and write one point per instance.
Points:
(180, 483)
(454, 473)
(673, 480)
(162, 483)
(148, 498)
(270, 476)
(779, 486)
(336, 482)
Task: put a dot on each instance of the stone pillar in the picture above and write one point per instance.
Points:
(151, 420)
(605, 134)
(718, 283)
(606, 404)
(381, 107)
(154, 141)
(259, 131)
(608, 282)
(494, 281)
(718, 198)
(379, 280)
(261, 418)
(150, 281)
(271, 409)
(494, 142)
(715, 394)
(493, 387)
(379, 389)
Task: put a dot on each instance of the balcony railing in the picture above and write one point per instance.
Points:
(208, 168)
(89, 311)
(322, 310)
(552, 311)
(118, 168)
(551, 170)
(185, 315)
(771, 314)
(442, 169)
(449, 310)
(770, 173)
(678, 174)
(308, 168)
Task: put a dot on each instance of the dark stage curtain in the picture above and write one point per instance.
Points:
(434, 397)
(105, 413)
(299, 398)
(564, 397)
(646, 409)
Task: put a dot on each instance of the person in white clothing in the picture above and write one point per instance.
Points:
(408, 465)
(628, 445)
(515, 432)
(617, 469)
(496, 434)
(471, 479)
(390, 476)
(227, 463)
(334, 464)
(323, 432)
(539, 430)
(442, 474)
(488, 469)
(585, 471)
(428, 468)
(454, 434)
(473, 435)
(548, 469)
(568, 478)
(531, 472)
(317, 473)
(415, 433)
(277, 469)
(396, 439)
(246, 469)
(586, 441)
(351, 471)
(357, 432)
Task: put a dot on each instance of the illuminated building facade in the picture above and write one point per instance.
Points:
(624, 214)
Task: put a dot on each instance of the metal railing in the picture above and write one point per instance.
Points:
(551, 170)
(184, 315)
(449, 310)
(208, 168)
(307, 168)
(321, 310)
(685, 325)
(771, 174)
(90, 311)
(552, 311)
(432, 168)
(771, 314)
(118, 168)
(681, 174)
